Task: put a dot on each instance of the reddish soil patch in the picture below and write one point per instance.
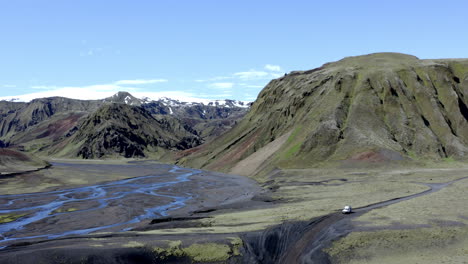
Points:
(8, 153)
(369, 156)
(376, 156)
(60, 127)
(234, 155)
(187, 152)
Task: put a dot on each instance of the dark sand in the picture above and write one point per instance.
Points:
(168, 196)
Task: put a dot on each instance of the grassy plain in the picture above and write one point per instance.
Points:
(305, 194)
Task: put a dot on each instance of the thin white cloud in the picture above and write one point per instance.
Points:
(222, 85)
(276, 75)
(271, 67)
(87, 92)
(140, 81)
(91, 52)
(44, 87)
(96, 92)
(218, 96)
(251, 74)
(84, 93)
(176, 95)
(101, 91)
(217, 78)
(222, 95)
(253, 86)
(272, 71)
(9, 86)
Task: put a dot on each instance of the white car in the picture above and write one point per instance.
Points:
(347, 210)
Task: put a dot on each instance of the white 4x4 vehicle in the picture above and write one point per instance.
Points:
(347, 210)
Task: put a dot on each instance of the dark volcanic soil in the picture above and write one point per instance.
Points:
(117, 206)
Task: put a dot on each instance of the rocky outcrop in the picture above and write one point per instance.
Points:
(129, 131)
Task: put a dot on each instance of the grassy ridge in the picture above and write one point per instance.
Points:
(387, 105)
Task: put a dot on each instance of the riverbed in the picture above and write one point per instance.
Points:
(115, 206)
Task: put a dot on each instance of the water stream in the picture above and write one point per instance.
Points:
(38, 207)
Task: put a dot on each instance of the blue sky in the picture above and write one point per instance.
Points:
(206, 49)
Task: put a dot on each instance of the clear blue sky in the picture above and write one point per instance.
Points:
(208, 49)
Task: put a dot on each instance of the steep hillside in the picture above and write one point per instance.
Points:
(12, 161)
(375, 108)
(129, 131)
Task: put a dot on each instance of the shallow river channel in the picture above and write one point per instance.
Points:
(112, 206)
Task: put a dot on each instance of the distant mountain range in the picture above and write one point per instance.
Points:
(121, 125)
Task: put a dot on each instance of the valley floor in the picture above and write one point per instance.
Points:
(232, 220)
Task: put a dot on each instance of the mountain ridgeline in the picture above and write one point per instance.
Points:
(372, 108)
(130, 131)
(121, 125)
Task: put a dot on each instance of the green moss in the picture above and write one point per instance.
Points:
(436, 245)
(449, 159)
(173, 249)
(208, 252)
(202, 252)
(236, 243)
(412, 155)
(292, 151)
(294, 134)
(64, 210)
(175, 244)
(459, 68)
(134, 244)
(7, 218)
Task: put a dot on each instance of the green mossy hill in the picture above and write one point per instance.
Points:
(12, 161)
(372, 108)
(129, 131)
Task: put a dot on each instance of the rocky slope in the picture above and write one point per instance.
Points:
(17, 117)
(130, 131)
(377, 108)
(60, 126)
